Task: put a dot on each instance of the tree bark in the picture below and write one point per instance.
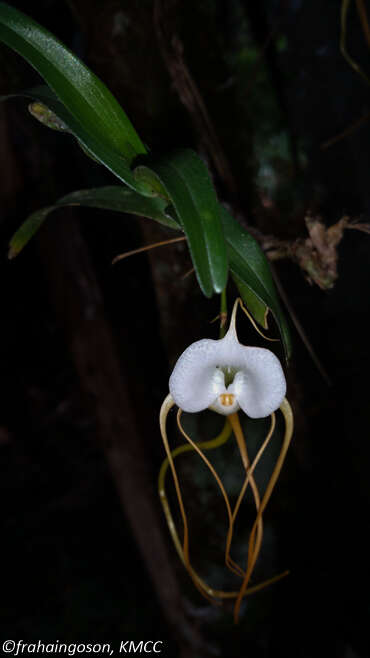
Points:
(78, 302)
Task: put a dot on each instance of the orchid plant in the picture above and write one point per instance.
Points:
(175, 190)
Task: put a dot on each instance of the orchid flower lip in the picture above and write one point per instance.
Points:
(225, 376)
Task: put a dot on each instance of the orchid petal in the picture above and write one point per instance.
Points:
(259, 385)
(196, 381)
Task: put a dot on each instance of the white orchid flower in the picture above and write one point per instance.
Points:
(225, 376)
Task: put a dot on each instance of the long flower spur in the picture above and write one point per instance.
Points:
(225, 376)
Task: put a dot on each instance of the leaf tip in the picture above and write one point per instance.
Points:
(12, 252)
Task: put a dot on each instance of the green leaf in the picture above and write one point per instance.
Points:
(113, 197)
(99, 151)
(258, 309)
(250, 265)
(187, 184)
(110, 198)
(81, 92)
(27, 230)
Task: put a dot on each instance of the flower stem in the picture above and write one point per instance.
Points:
(223, 313)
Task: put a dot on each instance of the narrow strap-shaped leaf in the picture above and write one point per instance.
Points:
(186, 181)
(248, 263)
(116, 198)
(255, 306)
(117, 164)
(27, 230)
(80, 90)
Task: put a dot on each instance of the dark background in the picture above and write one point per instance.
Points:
(86, 348)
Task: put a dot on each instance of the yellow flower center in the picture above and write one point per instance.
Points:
(227, 399)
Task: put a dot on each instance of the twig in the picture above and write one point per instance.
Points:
(361, 9)
(189, 94)
(147, 247)
(343, 39)
(348, 131)
(300, 329)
